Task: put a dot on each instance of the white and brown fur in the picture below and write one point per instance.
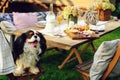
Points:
(27, 50)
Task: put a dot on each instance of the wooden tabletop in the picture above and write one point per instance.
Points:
(66, 42)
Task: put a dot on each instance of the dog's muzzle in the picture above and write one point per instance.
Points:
(34, 44)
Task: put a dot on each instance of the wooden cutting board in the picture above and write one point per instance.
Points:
(75, 35)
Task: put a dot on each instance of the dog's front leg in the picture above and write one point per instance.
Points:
(19, 68)
(34, 70)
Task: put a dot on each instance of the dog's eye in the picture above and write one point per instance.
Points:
(31, 33)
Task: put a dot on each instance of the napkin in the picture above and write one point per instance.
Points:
(58, 30)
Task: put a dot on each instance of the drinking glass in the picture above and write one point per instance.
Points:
(59, 17)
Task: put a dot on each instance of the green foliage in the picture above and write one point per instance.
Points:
(117, 11)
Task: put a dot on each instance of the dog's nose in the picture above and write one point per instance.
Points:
(35, 36)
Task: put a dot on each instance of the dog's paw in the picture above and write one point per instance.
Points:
(34, 70)
(18, 73)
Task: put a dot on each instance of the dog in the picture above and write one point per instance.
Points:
(27, 50)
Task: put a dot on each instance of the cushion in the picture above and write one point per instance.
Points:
(7, 27)
(24, 20)
(102, 58)
(41, 16)
(6, 17)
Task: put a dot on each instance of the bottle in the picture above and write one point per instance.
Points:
(50, 22)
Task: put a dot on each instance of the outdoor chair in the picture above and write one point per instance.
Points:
(27, 76)
(84, 68)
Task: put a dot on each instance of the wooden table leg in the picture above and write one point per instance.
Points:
(77, 56)
(93, 47)
(74, 51)
(81, 52)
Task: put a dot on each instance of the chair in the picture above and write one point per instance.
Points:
(27, 76)
(84, 68)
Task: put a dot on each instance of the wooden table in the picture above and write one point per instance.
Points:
(67, 43)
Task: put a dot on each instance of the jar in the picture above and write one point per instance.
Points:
(91, 17)
(50, 22)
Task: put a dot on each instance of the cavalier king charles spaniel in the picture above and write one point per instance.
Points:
(27, 50)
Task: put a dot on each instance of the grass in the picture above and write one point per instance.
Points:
(52, 58)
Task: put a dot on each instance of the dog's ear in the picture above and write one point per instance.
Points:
(18, 45)
(42, 42)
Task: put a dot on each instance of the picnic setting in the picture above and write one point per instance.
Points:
(59, 40)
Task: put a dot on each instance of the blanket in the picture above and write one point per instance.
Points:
(6, 59)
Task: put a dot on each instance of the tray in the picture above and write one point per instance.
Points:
(76, 35)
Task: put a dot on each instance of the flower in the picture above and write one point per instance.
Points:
(66, 12)
(74, 10)
(108, 5)
(102, 4)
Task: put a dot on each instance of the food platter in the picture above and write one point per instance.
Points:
(76, 33)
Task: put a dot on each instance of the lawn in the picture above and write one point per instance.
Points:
(52, 58)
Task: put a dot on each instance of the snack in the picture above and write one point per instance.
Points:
(80, 32)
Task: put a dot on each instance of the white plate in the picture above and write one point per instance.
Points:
(97, 28)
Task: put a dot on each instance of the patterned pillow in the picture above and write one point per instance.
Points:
(41, 16)
(6, 17)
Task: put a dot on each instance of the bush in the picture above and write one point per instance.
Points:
(117, 11)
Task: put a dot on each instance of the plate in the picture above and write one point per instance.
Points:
(97, 27)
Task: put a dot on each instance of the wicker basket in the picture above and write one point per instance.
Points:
(104, 15)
